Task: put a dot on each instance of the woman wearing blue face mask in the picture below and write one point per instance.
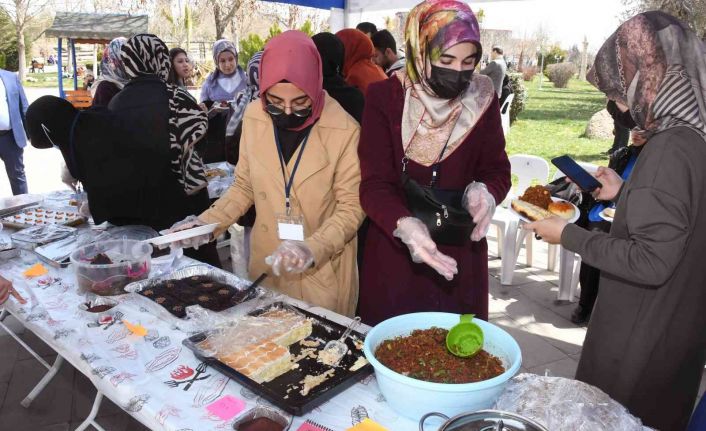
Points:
(432, 128)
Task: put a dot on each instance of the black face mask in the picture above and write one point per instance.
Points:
(448, 83)
(288, 121)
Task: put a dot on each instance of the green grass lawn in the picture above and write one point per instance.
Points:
(50, 80)
(554, 121)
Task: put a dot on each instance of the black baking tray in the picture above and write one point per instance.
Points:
(275, 391)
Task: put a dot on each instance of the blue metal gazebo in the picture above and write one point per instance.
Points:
(90, 28)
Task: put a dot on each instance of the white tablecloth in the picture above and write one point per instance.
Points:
(132, 370)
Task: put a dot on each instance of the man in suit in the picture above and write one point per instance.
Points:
(496, 69)
(13, 105)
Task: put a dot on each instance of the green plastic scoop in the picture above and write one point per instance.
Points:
(465, 339)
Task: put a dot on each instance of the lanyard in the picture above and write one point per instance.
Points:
(288, 184)
(435, 166)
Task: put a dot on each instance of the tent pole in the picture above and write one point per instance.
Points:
(60, 71)
(73, 55)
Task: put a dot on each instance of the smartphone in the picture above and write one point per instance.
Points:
(576, 173)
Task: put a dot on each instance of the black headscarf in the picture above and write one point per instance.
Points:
(91, 145)
(147, 55)
(332, 54)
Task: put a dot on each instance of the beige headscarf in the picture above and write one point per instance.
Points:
(429, 121)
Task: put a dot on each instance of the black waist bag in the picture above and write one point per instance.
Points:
(440, 210)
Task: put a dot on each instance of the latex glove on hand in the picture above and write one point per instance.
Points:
(193, 242)
(423, 249)
(480, 204)
(293, 257)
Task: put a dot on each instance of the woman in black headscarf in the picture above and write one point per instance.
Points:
(332, 53)
(136, 159)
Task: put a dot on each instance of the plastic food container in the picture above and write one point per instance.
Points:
(130, 262)
(414, 398)
(97, 308)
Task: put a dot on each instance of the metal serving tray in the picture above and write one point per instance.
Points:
(202, 270)
(284, 391)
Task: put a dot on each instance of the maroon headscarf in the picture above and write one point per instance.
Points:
(293, 57)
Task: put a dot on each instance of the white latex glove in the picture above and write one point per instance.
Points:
(294, 257)
(84, 209)
(423, 249)
(480, 204)
(66, 177)
(194, 242)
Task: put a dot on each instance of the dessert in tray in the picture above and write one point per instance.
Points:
(537, 204)
(175, 295)
(258, 346)
(39, 216)
(274, 351)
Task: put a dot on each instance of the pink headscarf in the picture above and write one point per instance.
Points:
(292, 56)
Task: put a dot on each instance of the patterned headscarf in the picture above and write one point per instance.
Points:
(221, 46)
(429, 121)
(112, 68)
(655, 65)
(144, 55)
(251, 93)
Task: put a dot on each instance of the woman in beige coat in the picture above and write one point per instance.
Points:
(297, 133)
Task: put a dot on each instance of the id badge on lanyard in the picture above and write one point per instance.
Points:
(289, 226)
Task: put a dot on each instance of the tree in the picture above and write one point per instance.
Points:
(224, 11)
(22, 13)
(692, 12)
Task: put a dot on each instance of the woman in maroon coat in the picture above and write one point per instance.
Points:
(435, 115)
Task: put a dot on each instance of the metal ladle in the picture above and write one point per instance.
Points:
(335, 350)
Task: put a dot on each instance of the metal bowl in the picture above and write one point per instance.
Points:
(484, 420)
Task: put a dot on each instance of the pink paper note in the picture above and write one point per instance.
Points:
(227, 407)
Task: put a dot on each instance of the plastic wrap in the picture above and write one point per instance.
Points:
(248, 330)
(238, 250)
(34, 236)
(220, 177)
(199, 319)
(565, 405)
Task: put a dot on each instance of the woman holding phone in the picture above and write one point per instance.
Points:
(646, 344)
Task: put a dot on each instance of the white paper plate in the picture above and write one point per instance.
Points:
(576, 216)
(183, 234)
(605, 216)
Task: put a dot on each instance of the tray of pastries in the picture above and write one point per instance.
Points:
(274, 351)
(210, 288)
(41, 216)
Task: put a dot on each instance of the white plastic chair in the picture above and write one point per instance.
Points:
(505, 113)
(569, 262)
(527, 168)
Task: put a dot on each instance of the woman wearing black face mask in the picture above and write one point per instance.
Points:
(298, 165)
(433, 128)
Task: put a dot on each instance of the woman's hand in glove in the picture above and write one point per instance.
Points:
(480, 204)
(193, 242)
(293, 257)
(416, 236)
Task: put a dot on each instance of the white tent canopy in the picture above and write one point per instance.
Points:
(346, 13)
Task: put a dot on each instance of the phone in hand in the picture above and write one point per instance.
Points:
(576, 173)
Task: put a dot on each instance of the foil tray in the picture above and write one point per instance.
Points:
(207, 316)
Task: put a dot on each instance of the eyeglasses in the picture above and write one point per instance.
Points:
(299, 110)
